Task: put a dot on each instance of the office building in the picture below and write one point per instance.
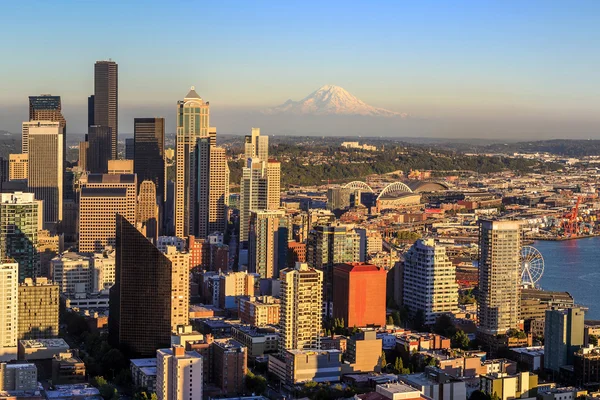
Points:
(83, 154)
(256, 146)
(180, 286)
(46, 168)
(436, 384)
(201, 187)
(230, 360)
(586, 366)
(5, 170)
(147, 209)
(302, 366)
(178, 374)
(363, 352)
(429, 281)
(498, 299)
(120, 167)
(38, 309)
(20, 222)
(102, 197)
(99, 148)
(18, 378)
(72, 273)
(563, 336)
(91, 110)
(103, 270)
(42, 108)
(218, 195)
(18, 167)
(149, 152)
(106, 100)
(129, 148)
(342, 198)
(301, 307)
(68, 369)
(273, 184)
(9, 310)
(263, 242)
(233, 285)
(259, 311)
(192, 124)
(359, 294)
(143, 276)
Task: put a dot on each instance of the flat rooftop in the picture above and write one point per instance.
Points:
(43, 343)
(533, 351)
(144, 362)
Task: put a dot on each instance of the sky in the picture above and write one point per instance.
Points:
(464, 68)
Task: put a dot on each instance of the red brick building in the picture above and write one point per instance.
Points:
(296, 253)
(359, 294)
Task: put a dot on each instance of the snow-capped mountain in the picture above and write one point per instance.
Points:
(331, 100)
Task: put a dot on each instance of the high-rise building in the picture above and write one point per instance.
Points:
(359, 294)
(99, 149)
(9, 310)
(230, 360)
(91, 110)
(103, 270)
(274, 184)
(499, 276)
(201, 187)
(143, 276)
(42, 108)
(149, 152)
(330, 245)
(263, 243)
(192, 123)
(102, 197)
(180, 283)
(46, 168)
(38, 309)
(106, 100)
(129, 148)
(178, 374)
(256, 146)
(147, 209)
(563, 336)
(429, 281)
(20, 221)
(83, 154)
(218, 195)
(233, 285)
(301, 308)
(18, 167)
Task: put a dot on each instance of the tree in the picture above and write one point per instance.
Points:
(444, 326)
(99, 381)
(460, 340)
(256, 384)
(383, 362)
(396, 318)
(399, 365)
(143, 395)
(390, 320)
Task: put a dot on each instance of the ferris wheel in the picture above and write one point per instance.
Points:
(532, 266)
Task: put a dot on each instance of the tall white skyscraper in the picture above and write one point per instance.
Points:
(46, 168)
(178, 374)
(9, 310)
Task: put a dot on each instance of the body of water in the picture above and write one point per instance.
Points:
(573, 266)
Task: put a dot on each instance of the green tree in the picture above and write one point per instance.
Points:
(444, 326)
(593, 340)
(99, 381)
(256, 384)
(383, 362)
(398, 365)
(396, 318)
(460, 340)
(390, 320)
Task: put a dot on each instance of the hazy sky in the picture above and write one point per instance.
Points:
(473, 63)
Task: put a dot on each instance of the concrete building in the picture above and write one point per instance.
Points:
(233, 285)
(68, 368)
(72, 273)
(143, 373)
(38, 309)
(429, 281)
(301, 366)
(41, 349)
(46, 168)
(21, 218)
(394, 391)
(193, 123)
(18, 377)
(180, 286)
(563, 336)
(178, 374)
(273, 184)
(436, 385)
(120, 167)
(342, 198)
(259, 311)
(507, 387)
(258, 341)
(586, 366)
(253, 194)
(363, 353)
(147, 209)
(149, 153)
(42, 108)
(301, 308)
(230, 360)
(106, 100)
(9, 310)
(498, 299)
(359, 294)
(561, 393)
(103, 270)
(18, 167)
(218, 194)
(263, 242)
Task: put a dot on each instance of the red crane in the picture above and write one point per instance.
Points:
(569, 223)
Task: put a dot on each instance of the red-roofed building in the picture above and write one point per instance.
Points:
(359, 294)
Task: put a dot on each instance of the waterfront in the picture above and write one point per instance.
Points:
(573, 266)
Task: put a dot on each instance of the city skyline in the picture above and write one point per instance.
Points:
(508, 70)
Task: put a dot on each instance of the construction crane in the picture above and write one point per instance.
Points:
(569, 223)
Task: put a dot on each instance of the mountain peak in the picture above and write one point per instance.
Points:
(331, 100)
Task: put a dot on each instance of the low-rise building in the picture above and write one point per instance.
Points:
(532, 357)
(507, 387)
(363, 353)
(143, 373)
(18, 377)
(259, 341)
(68, 368)
(436, 384)
(562, 393)
(259, 311)
(299, 366)
(41, 349)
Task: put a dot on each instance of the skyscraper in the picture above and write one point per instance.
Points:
(263, 242)
(563, 336)
(42, 108)
(301, 308)
(9, 310)
(140, 300)
(178, 374)
(429, 281)
(91, 110)
(192, 123)
(201, 187)
(99, 148)
(38, 309)
(218, 195)
(274, 184)
(147, 209)
(499, 276)
(46, 168)
(20, 221)
(180, 286)
(256, 146)
(149, 152)
(106, 99)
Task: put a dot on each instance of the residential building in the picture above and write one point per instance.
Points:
(259, 311)
(218, 196)
(143, 373)
(301, 308)
(522, 385)
(149, 153)
(230, 360)
(498, 299)
(233, 285)
(563, 336)
(561, 393)
(106, 100)
(18, 167)
(263, 242)
(46, 168)
(21, 218)
(178, 374)
(429, 281)
(180, 284)
(38, 309)
(359, 294)
(273, 184)
(9, 310)
(363, 353)
(258, 341)
(586, 366)
(18, 377)
(253, 194)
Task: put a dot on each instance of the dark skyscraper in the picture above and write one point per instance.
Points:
(91, 110)
(140, 300)
(201, 186)
(106, 99)
(149, 151)
(129, 148)
(99, 149)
